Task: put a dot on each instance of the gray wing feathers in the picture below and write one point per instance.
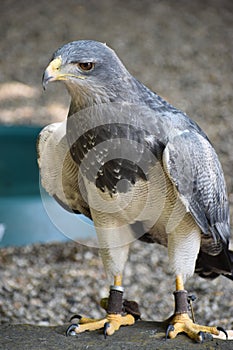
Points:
(194, 168)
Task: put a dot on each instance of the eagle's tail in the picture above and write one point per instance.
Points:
(211, 266)
(230, 255)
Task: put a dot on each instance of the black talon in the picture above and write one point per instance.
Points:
(223, 330)
(106, 326)
(75, 316)
(205, 336)
(71, 329)
(169, 329)
(202, 336)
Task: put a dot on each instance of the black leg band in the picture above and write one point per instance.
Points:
(115, 301)
(181, 301)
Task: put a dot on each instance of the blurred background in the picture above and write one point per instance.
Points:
(181, 49)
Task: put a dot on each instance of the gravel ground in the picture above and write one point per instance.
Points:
(181, 49)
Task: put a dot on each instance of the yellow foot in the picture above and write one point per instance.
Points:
(181, 323)
(110, 324)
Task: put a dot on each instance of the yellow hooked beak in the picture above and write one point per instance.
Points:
(54, 73)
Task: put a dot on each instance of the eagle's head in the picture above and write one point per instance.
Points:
(91, 71)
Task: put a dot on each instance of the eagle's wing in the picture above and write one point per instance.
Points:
(194, 168)
(59, 173)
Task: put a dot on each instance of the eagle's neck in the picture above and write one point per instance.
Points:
(86, 95)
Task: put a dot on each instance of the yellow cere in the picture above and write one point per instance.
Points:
(56, 63)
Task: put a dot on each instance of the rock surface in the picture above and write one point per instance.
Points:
(142, 335)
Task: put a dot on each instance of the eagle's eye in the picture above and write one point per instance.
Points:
(86, 66)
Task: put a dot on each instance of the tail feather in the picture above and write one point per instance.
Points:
(230, 256)
(229, 276)
(211, 266)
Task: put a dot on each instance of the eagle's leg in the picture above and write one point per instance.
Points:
(180, 322)
(114, 318)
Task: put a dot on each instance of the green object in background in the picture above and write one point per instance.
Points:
(23, 219)
(18, 163)
(23, 216)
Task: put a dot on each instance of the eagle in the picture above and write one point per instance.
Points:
(139, 168)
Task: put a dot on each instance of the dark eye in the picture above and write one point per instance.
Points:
(85, 66)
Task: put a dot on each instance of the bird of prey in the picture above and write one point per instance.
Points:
(140, 169)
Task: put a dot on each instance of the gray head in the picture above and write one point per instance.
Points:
(91, 71)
